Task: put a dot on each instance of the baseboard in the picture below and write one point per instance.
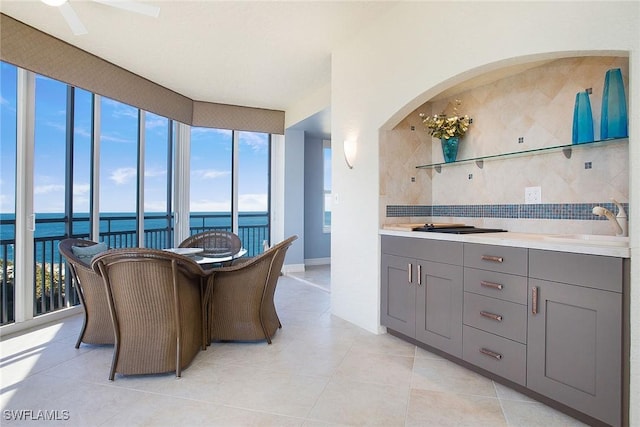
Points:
(293, 268)
(317, 261)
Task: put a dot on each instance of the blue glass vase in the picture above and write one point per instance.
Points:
(450, 148)
(582, 119)
(613, 122)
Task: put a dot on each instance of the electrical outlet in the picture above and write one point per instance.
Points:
(532, 195)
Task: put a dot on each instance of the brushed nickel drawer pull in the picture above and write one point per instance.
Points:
(491, 285)
(492, 258)
(534, 300)
(410, 271)
(419, 274)
(496, 317)
(491, 353)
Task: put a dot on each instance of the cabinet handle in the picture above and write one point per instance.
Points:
(410, 270)
(419, 274)
(492, 258)
(534, 300)
(491, 353)
(491, 285)
(496, 317)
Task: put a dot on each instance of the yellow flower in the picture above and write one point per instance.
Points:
(441, 126)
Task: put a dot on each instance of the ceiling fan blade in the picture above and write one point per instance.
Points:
(133, 6)
(72, 19)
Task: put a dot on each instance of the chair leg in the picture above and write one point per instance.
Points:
(84, 328)
(114, 361)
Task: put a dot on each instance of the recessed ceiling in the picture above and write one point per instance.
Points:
(265, 54)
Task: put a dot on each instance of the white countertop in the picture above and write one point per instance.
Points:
(576, 243)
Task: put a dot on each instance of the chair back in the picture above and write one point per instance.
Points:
(279, 252)
(216, 243)
(155, 300)
(241, 297)
(97, 327)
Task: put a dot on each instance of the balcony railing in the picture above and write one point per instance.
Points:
(117, 231)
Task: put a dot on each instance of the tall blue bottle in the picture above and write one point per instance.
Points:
(613, 122)
(582, 119)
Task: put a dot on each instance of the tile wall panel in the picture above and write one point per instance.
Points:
(537, 105)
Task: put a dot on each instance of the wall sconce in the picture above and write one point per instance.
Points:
(350, 151)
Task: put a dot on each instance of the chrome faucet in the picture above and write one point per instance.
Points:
(619, 221)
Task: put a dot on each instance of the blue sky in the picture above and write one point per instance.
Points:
(210, 156)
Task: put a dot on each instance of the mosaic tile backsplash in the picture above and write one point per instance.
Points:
(569, 211)
(534, 106)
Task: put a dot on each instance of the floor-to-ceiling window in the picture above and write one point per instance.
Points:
(50, 165)
(230, 184)
(211, 179)
(157, 181)
(118, 173)
(104, 170)
(82, 162)
(326, 162)
(8, 138)
(253, 189)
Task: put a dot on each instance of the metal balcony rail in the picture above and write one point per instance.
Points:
(117, 231)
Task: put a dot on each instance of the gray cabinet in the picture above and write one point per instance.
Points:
(421, 296)
(574, 349)
(398, 298)
(439, 307)
(549, 321)
(495, 311)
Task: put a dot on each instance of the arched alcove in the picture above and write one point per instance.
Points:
(517, 105)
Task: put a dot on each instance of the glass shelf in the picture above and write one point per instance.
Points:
(566, 149)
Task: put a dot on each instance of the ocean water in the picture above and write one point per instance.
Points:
(51, 226)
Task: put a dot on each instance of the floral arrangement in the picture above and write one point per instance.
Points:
(442, 126)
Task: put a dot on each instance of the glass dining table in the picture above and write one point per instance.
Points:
(202, 258)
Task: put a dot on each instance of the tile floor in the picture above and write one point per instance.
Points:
(319, 371)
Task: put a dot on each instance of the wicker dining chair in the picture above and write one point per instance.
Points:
(240, 297)
(96, 327)
(155, 299)
(216, 243)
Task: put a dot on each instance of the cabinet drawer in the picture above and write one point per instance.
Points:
(593, 271)
(503, 318)
(508, 287)
(503, 259)
(430, 250)
(495, 354)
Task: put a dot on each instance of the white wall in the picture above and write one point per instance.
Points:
(294, 198)
(411, 54)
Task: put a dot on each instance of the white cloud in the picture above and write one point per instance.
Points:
(257, 141)
(113, 138)
(80, 189)
(199, 132)
(80, 131)
(48, 188)
(61, 127)
(151, 172)
(209, 173)
(155, 122)
(121, 110)
(155, 206)
(246, 203)
(210, 206)
(253, 202)
(123, 175)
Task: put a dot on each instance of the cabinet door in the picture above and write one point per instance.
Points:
(397, 299)
(574, 347)
(439, 306)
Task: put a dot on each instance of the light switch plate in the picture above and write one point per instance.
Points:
(532, 195)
